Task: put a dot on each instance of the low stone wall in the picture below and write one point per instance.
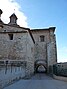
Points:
(11, 76)
(60, 78)
(60, 69)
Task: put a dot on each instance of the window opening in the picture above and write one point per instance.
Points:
(42, 38)
(10, 36)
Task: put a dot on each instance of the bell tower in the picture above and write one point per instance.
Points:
(13, 19)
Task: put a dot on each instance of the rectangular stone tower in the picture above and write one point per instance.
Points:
(45, 46)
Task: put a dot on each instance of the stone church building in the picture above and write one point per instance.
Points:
(36, 47)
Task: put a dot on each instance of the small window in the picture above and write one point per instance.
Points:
(10, 36)
(42, 38)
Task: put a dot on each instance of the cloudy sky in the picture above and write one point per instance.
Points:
(11, 6)
(40, 14)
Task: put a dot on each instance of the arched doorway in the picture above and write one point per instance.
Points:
(40, 68)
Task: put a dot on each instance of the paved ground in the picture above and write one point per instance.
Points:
(39, 81)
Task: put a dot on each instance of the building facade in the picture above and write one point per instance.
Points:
(37, 47)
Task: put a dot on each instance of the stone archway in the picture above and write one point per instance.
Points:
(40, 66)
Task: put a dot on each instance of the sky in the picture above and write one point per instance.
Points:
(40, 14)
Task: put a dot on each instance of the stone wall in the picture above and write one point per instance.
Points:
(15, 48)
(45, 50)
(51, 52)
(60, 69)
(21, 47)
(41, 47)
(51, 57)
(40, 51)
(37, 34)
(29, 56)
